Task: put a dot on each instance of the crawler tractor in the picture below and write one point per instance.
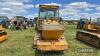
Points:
(49, 30)
(3, 34)
(90, 33)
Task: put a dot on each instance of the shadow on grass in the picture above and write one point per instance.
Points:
(49, 53)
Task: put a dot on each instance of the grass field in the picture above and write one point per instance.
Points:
(20, 43)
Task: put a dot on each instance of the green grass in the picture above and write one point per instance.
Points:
(20, 43)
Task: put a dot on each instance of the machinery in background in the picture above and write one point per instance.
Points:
(3, 34)
(4, 21)
(19, 23)
(81, 23)
(49, 30)
(90, 33)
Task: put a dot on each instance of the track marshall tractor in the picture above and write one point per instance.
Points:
(49, 30)
(3, 34)
(90, 33)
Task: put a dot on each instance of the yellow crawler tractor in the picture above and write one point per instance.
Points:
(3, 34)
(90, 33)
(49, 30)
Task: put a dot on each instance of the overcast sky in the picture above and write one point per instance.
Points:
(69, 9)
